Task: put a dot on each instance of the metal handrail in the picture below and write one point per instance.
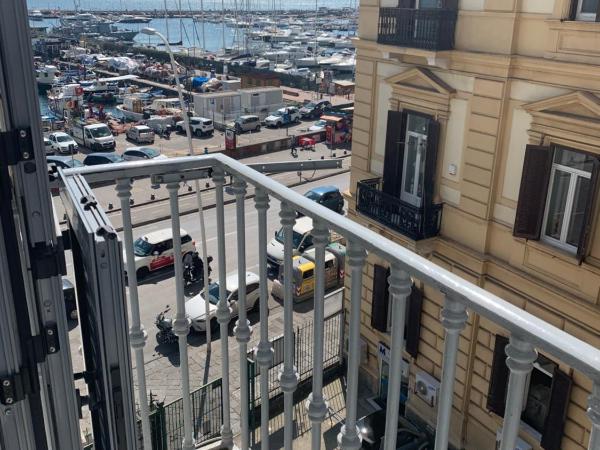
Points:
(571, 350)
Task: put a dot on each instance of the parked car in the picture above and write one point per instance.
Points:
(69, 296)
(64, 162)
(199, 126)
(328, 196)
(62, 143)
(154, 250)
(314, 110)
(195, 308)
(48, 146)
(140, 134)
(319, 125)
(283, 116)
(138, 153)
(247, 123)
(102, 158)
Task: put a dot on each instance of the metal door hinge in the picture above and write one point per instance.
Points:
(16, 145)
(16, 386)
(48, 260)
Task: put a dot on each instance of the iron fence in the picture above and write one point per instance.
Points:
(166, 421)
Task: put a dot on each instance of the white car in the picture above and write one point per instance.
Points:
(48, 146)
(199, 125)
(195, 308)
(319, 125)
(154, 250)
(140, 134)
(62, 143)
(140, 153)
(283, 116)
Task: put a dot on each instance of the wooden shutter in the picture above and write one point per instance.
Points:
(433, 137)
(380, 300)
(406, 4)
(597, 11)
(557, 413)
(573, 10)
(588, 217)
(413, 321)
(394, 152)
(496, 400)
(533, 192)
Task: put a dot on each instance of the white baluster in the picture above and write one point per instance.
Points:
(288, 377)
(400, 287)
(242, 329)
(521, 356)
(454, 318)
(137, 334)
(264, 350)
(223, 310)
(349, 436)
(316, 404)
(593, 413)
(181, 324)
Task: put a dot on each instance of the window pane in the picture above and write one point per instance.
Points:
(589, 6)
(411, 164)
(582, 193)
(557, 203)
(418, 124)
(575, 160)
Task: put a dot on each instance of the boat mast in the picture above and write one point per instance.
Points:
(203, 19)
(223, 23)
(316, 49)
(167, 21)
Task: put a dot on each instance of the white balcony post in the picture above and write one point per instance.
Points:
(181, 324)
(593, 413)
(242, 329)
(454, 318)
(400, 287)
(349, 436)
(264, 350)
(288, 377)
(137, 334)
(520, 358)
(316, 404)
(223, 310)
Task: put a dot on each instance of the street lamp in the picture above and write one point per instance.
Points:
(188, 132)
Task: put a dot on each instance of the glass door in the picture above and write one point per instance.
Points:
(413, 168)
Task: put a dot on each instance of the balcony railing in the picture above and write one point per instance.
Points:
(430, 29)
(416, 223)
(527, 332)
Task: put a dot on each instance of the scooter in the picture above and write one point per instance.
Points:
(193, 269)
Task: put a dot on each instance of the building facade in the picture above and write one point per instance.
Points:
(476, 143)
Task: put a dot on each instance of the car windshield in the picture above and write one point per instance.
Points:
(142, 247)
(114, 158)
(100, 132)
(310, 105)
(74, 163)
(312, 195)
(277, 113)
(213, 293)
(297, 238)
(151, 152)
(63, 138)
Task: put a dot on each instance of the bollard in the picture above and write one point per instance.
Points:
(189, 189)
(207, 185)
(131, 201)
(110, 206)
(152, 197)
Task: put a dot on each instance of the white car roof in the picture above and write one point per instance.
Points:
(232, 280)
(142, 127)
(161, 235)
(59, 133)
(303, 225)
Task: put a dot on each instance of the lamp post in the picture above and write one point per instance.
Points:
(188, 132)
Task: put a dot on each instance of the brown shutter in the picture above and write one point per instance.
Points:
(413, 321)
(557, 413)
(496, 400)
(597, 11)
(533, 192)
(394, 151)
(379, 303)
(588, 217)
(433, 137)
(573, 10)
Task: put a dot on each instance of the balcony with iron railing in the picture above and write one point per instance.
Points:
(104, 274)
(428, 29)
(414, 222)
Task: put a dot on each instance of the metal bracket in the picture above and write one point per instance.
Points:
(16, 146)
(48, 260)
(16, 386)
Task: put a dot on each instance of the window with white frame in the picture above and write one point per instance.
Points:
(586, 9)
(569, 192)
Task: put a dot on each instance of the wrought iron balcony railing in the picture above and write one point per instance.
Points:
(430, 29)
(527, 332)
(416, 223)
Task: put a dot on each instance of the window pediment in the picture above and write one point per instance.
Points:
(581, 106)
(421, 79)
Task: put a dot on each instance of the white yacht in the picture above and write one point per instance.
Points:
(46, 76)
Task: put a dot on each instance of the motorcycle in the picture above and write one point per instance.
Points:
(165, 333)
(193, 269)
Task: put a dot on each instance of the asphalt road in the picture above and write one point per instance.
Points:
(158, 290)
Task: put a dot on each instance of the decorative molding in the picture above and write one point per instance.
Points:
(573, 105)
(422, 79)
